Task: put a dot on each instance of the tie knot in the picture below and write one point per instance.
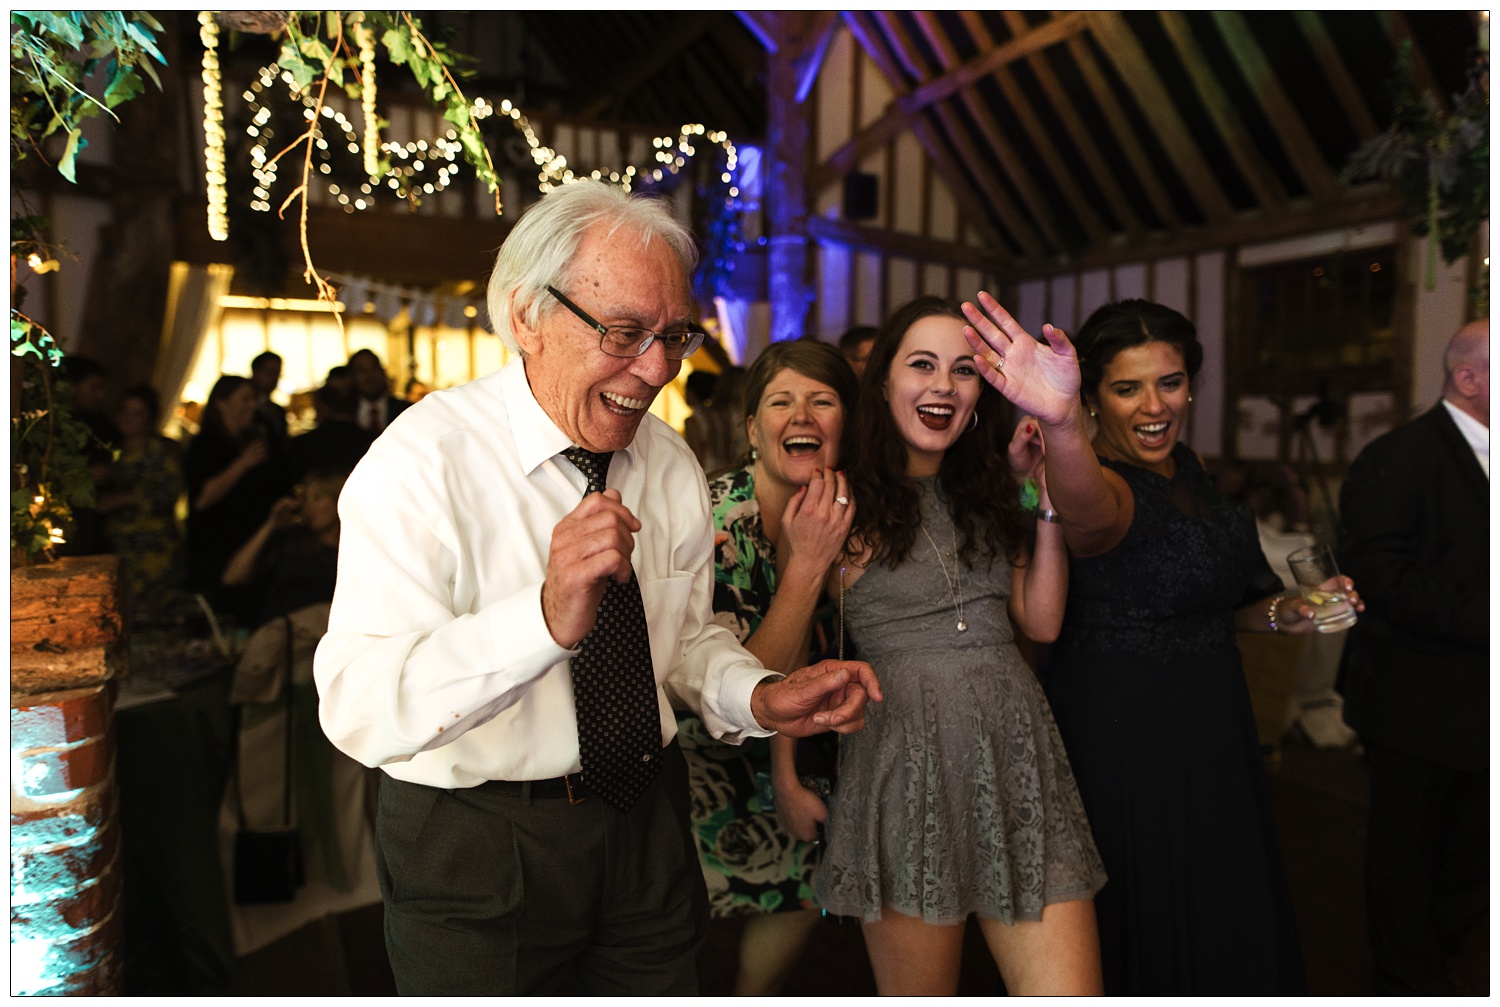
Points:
(593, 465)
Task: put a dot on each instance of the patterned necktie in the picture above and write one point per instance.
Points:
(614, 686)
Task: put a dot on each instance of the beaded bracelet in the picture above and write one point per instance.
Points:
(1271, 613)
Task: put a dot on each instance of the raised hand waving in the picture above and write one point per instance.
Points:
(1040, 378)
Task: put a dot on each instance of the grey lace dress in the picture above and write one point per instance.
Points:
(957, 797)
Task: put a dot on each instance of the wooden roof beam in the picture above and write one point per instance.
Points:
(906, 246)
(986, 63)
(977, 162)
(1344, 88)
(1307, 157)
(650, 60)
(1140, 76)
(973, 209)
(979, 110)
(1115, 116)
(1103, 174)
(1269, 191)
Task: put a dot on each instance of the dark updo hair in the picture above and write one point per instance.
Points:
(813, 359)
(974, 476)
(1124, 324)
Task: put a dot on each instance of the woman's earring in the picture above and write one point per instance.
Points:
(974, 419)
(1190, 396)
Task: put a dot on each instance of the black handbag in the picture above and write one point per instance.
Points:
(268, 864)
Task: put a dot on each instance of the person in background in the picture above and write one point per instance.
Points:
(957, 799)
(336, 442)
(234, 474)
(294, 553)
(1145, 679)
(139, 504)
(340, 377)
(416, 390)
(88, 382)
(783, 516)
(855, 345)
(710, 429)
(1415, 519)
(525, 572)
(265, 374)
(377, 406)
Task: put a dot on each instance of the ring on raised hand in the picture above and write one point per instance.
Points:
(999, 361)
(844, 501)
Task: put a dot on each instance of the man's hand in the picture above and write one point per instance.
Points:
(829, 696)
(589, 546)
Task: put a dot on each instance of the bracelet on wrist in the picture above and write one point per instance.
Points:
(1048, 515)
(1271, 613)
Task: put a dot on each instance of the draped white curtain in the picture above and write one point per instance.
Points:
(193, 294)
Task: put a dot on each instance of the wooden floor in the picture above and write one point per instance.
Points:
(1318, 796)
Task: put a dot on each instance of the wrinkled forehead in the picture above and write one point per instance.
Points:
(632, 274)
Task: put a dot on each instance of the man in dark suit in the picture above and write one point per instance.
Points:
(1415, 538)
(265, 374)
(337, 443)
(377, 406)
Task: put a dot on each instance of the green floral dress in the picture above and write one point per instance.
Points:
(146, 534)
(751, 864)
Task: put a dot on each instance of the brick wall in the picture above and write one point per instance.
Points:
(65, 839)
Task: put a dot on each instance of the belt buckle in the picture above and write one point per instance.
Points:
(568, 783)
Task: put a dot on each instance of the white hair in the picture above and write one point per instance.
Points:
(539, 250)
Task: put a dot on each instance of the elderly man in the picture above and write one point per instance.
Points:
(1415, 537)
(524, 577)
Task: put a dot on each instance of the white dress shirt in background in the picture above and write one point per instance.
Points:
(1476, 433)
(438, 665)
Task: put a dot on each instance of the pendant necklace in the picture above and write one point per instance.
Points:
(955, 595)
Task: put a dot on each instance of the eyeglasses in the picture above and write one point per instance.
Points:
(630, 341)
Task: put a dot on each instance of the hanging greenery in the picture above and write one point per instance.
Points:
(53, 55)
(1439, 161)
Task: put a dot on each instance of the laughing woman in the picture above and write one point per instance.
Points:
(957, 798)
(1146, 677)
(782, 520)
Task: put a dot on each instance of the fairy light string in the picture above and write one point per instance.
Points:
(214, 165)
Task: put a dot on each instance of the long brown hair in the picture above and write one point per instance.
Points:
(973, 478)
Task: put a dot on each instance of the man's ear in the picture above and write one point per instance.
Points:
(527, 337)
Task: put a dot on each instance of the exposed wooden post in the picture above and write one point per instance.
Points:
(787, 136)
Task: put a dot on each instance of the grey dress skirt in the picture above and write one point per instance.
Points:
(957, 797)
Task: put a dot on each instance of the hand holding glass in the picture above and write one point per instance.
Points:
(1318, 576)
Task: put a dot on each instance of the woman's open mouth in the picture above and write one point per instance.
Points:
(802, 445)
(1153, 435)
(935, 417)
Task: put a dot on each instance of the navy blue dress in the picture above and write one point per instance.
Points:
(1148, 692)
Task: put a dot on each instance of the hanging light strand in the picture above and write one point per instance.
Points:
(213, 129)
(367, 98)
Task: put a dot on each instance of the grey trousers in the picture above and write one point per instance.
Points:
(490, 893)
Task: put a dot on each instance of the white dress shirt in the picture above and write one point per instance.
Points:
(438, 665)
(1476, 433)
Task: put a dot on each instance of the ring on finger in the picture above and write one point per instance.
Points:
(841, 501)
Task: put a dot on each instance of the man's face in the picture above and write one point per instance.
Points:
(859, 355)
(265, 376)
(598, 400)
(369, 376)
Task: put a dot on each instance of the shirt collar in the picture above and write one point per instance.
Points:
(1476, 433)
(537, 437)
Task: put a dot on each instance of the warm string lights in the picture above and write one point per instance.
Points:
(409, 160)
(214, 167)
(367, 100)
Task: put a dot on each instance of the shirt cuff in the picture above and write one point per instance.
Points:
(737, 689)
(519, 629)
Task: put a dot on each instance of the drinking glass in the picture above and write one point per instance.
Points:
(1318, 576)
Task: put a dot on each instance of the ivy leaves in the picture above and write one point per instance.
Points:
(53, 57)
(325, 46)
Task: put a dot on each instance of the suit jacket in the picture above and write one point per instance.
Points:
(1415, 538)
(391, 408)
(332, 444)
